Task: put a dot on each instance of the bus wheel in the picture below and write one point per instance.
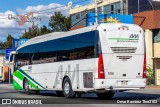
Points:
(67, 88)
(36, 91)
(60, 93)
(106, 95)
(79, 95)
(26, 87)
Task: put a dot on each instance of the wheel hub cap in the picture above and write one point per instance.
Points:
(66, 88)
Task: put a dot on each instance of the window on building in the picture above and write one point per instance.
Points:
(119, 11)
(91, 11)
(100, 9)
(107, 9)
(156, 35)
(112, 9)
(78, 16)
(118, 7)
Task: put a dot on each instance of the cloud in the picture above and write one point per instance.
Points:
(45, 10)
(4, 21)
(9, 26)
(77, 6)
(42, 11)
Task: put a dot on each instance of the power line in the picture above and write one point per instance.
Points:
(58, 7)
(52, 8)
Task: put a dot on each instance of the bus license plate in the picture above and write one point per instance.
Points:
(123, 82)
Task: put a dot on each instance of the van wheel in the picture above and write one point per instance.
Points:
(106, 95)
(26, 87)
(67, 88)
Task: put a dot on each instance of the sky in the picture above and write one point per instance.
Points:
(12, 8)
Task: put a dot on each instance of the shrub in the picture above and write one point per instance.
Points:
(150, 76)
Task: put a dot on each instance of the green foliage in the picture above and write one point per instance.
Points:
(150, 76)
(8, 43)
(58, 22)
(32, 32)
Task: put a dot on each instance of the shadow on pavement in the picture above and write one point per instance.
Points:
(2, 82)
(117, 96)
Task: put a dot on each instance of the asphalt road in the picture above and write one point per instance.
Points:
(6, 91)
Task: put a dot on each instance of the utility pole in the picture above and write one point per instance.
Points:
(138, 6)
(96, 11)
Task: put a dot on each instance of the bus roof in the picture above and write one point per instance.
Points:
(56, 35)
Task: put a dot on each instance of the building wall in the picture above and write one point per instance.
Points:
(149, 19)
(77, 27)
(149, 48)
(150, 22)
(78, 15)
(1, 65)
(156, 49)
(157, 71)
(1, 60)
(91, 6)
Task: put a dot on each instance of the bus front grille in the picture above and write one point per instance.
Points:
(124, 49)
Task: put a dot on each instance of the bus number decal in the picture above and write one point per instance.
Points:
(110, 73)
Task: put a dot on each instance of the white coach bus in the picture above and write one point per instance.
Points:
(102, 59)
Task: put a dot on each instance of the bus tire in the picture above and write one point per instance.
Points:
(106, 95)
(67, 89)
(79, 94)
(59, 93)
(26, 87)
(36, 91)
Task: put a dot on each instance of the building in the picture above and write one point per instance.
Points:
(150, 22)
(146, 13)
(111, 7)
(106, 6)
(2, 61)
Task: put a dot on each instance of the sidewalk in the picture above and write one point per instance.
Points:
(152, 86)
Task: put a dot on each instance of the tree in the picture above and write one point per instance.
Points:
(44, 30)
(32, 32)
(8, 43)
(58, 22)
(2, 46)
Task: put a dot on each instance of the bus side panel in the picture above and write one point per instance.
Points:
(18, 80)
(50, 76)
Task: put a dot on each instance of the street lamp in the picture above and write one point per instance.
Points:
(149, 3)
(96, 11)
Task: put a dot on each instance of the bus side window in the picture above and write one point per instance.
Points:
(85, 45)
(11, 58)
(97, 45)
(22, 59)
(15, 63)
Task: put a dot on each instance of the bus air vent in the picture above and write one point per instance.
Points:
(124, 58)
(124, 49)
